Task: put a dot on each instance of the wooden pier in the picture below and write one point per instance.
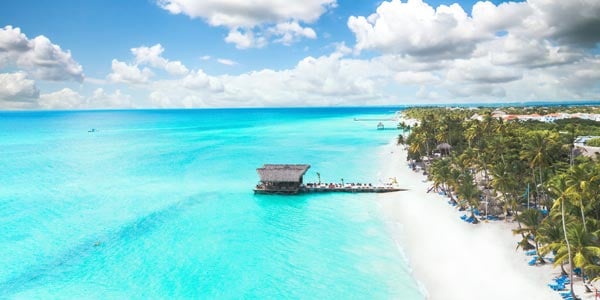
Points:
(287, 180)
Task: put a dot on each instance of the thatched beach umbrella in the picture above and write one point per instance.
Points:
(444, 148)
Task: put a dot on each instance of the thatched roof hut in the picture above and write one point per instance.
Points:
(284, 178)
(282, 173)
(444, 148)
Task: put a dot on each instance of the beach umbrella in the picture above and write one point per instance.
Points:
(444, 148)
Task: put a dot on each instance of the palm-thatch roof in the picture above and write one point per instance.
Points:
(444, 146)
(282, 173)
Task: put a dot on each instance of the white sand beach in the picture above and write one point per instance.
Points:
(451, 258)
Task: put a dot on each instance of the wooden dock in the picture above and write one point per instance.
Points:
(349, 189)
(286, 179)
(332, 188)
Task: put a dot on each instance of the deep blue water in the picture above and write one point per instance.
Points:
(159, 204)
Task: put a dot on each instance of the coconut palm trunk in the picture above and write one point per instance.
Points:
(564, 225)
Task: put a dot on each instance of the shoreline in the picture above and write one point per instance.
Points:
(452, 259)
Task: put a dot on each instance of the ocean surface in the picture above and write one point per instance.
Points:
(158, 204)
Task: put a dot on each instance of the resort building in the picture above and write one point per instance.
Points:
(477, 117)
(582, 148)
(498, 114)
(549, 118)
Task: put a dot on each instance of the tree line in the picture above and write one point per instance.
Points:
(526, 171)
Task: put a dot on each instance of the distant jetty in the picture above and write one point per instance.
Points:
(287, 179)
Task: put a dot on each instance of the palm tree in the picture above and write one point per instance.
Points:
(578, 186)
(503, 181)
(586, 250)
(401, 126)
(583, 246)
(540, 149)
(469, 192)
(531, 219)
(416, 144)
(534, 151)
(440, 173)
(583, 184)
(454, 183)
(472, 133)
(558, 187)
(550, 234)
(400, 140)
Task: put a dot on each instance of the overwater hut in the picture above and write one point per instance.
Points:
(380, 126)
(280, 179)
(444, 149)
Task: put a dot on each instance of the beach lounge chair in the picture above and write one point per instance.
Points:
(532, 261)
(556, 286)
(566, 295)
(562, 280)
(530, 253)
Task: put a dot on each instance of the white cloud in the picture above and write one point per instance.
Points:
(447, 32)
(290, 32)
(39, 57)
(101, 99)
(567, 22)
(325, 80)
(533, 50)
(410, 77)
(511, 50)
(62, 99)
(417, 29)
(341, 49)
(227, 62)
(153, 56)
(138, 73)
(16, 87)
(389, 79)
(251, 23)
(125, 73)
(198, 81)
(481, 70)
(477, 91)
(234, 13)
(492, 18)
(244, 39)
(498, 58)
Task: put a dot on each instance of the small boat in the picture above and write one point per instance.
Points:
(92, 130)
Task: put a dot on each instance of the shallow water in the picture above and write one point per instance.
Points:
(159, 204)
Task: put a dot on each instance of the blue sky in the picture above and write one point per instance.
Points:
(231, 53)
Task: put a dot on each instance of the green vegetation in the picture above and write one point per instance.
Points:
(525, 171)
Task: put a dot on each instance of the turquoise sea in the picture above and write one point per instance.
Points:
(158, 204)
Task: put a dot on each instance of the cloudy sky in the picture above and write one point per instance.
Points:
(247, 53)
